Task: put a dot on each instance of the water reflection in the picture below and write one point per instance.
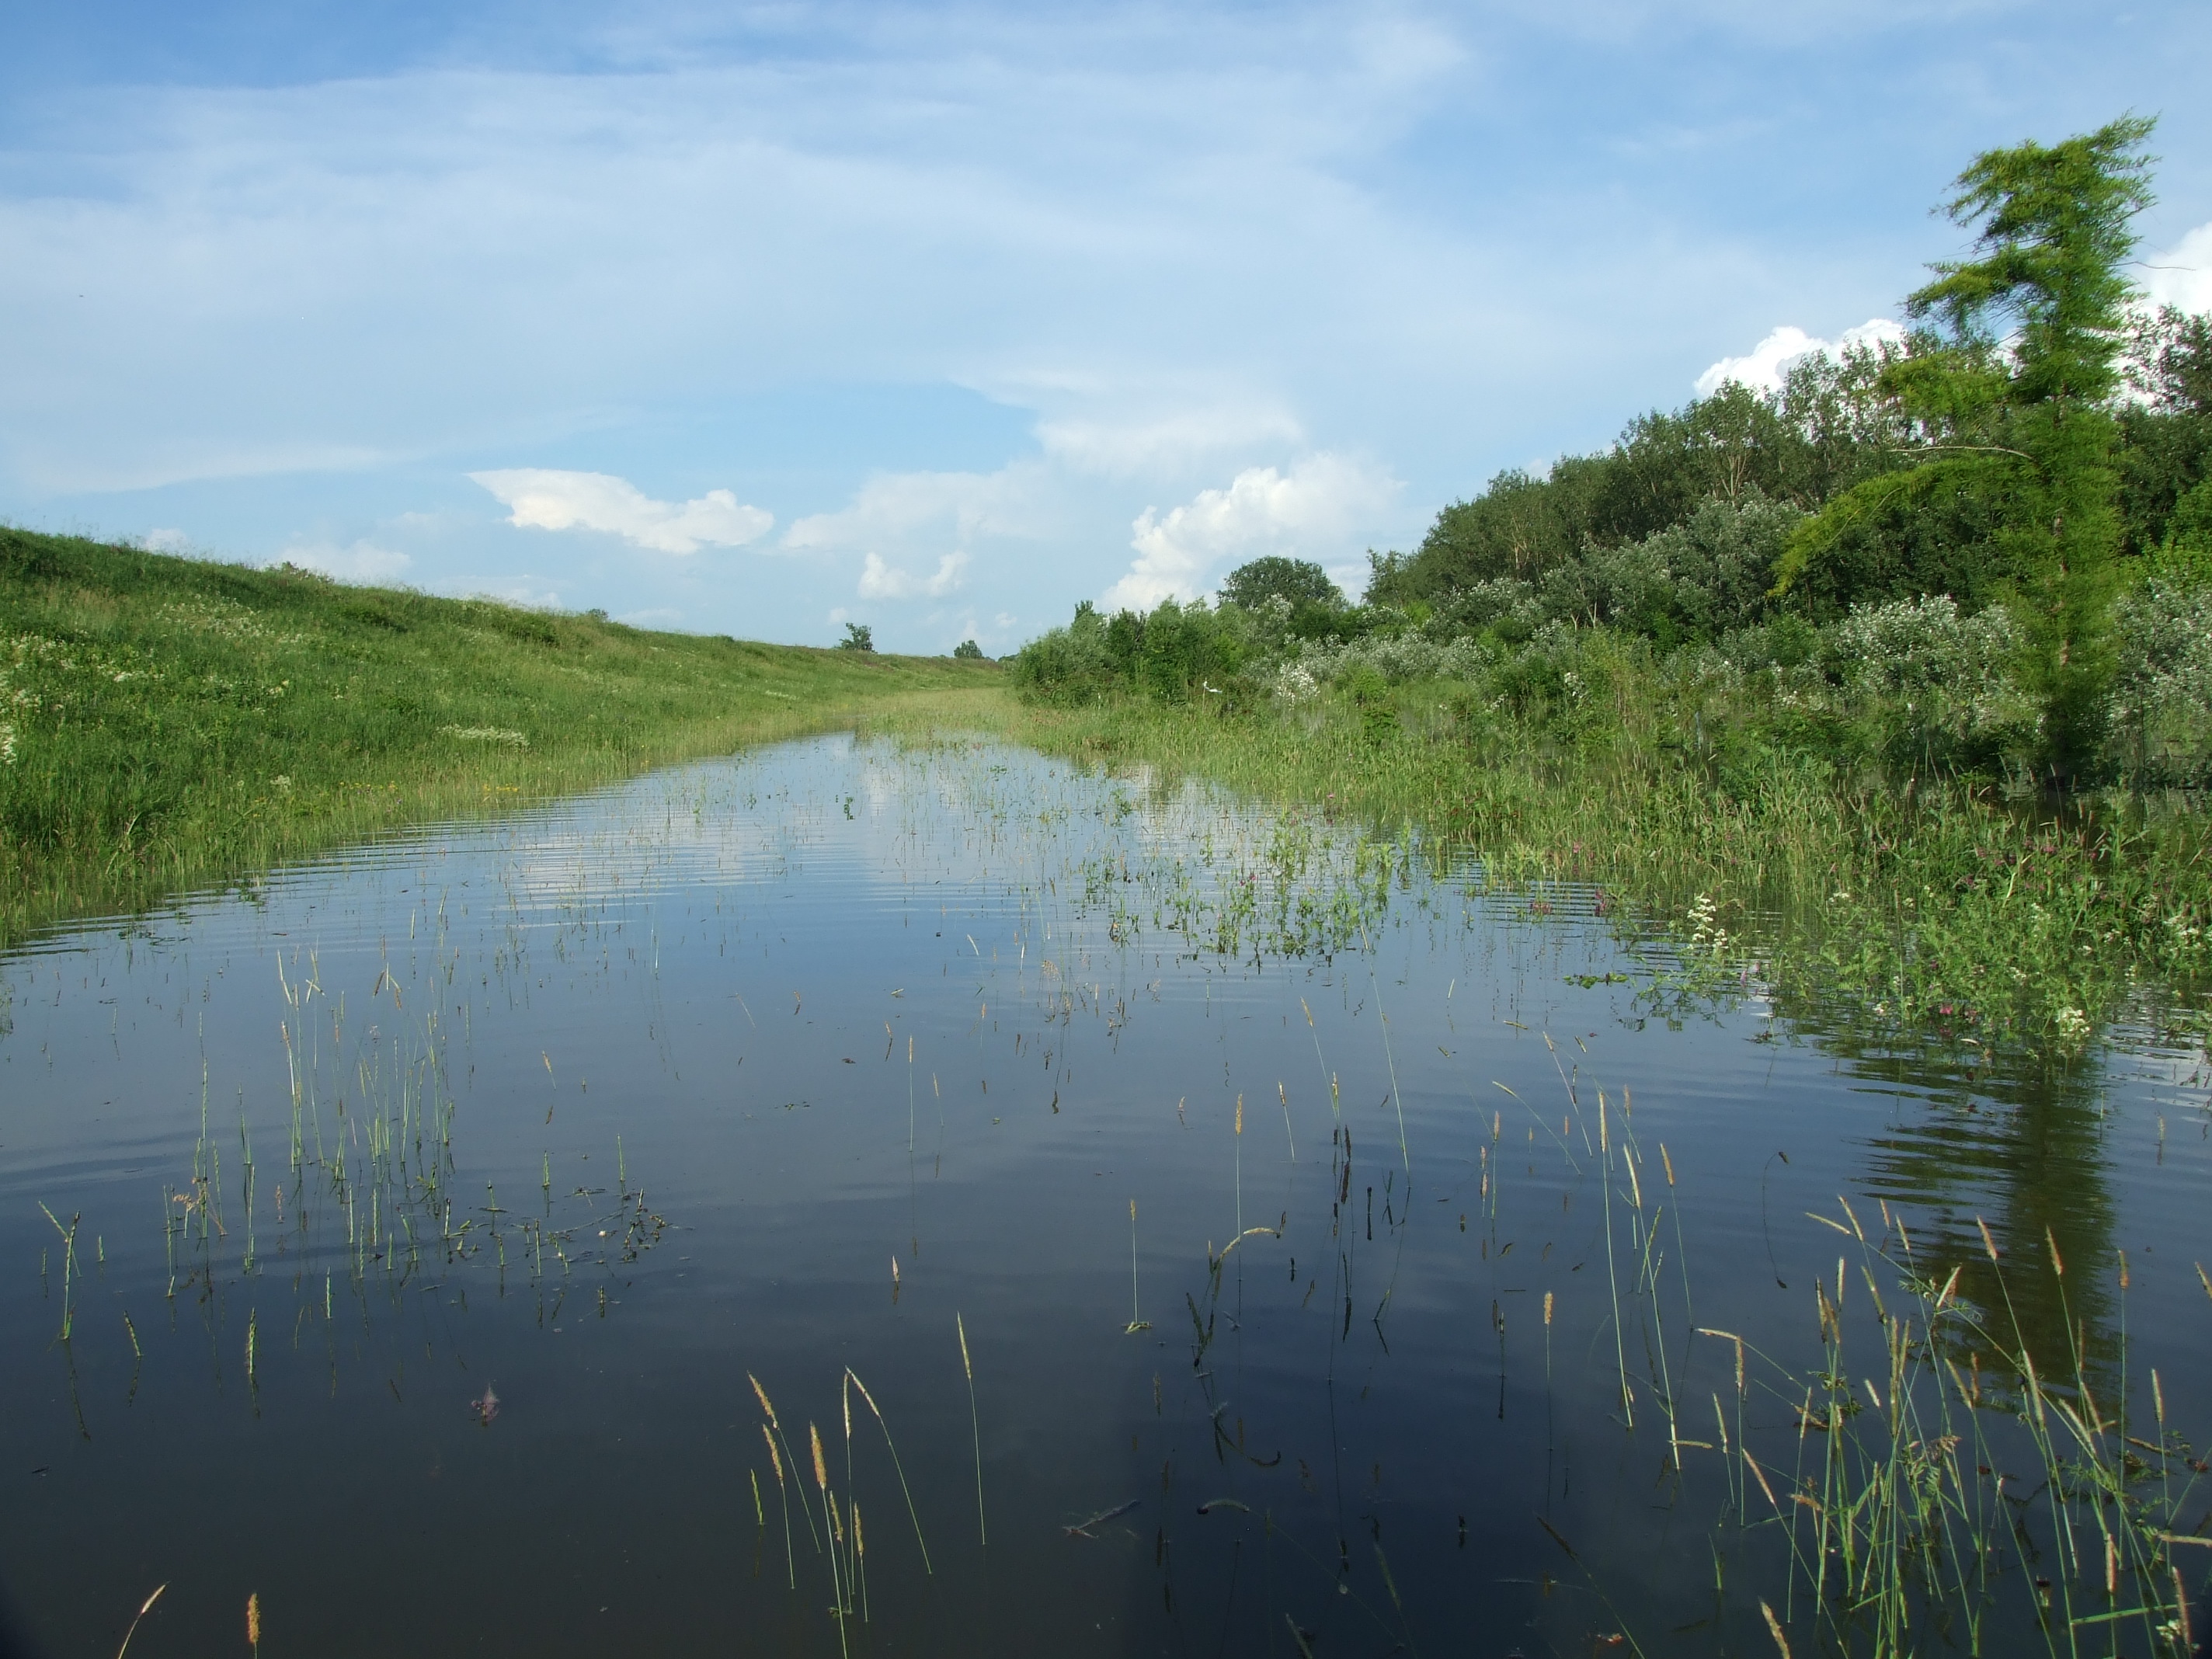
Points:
(2014, 1140)
(1239, 1229)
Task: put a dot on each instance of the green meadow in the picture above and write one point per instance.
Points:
(167, 722)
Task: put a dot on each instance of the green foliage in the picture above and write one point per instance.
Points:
(1801, 656)
(2162, 688)
(1296, 581)
(1944, 907)
(1822, 431)
(165, 721)
(1691, 581)
(969, 651)
(2029, 441)
(858, 636)
(2165, 429)
(1175, 653)
(2011, 407)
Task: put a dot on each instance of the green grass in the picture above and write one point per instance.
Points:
(1935, 907)
(167, 723)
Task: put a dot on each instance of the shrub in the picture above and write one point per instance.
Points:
(1943, 686)
(2162, 699)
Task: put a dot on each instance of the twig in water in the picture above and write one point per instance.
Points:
(1082, 1529)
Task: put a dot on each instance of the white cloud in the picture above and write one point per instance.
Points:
(361, 562)
(517, 592)
(2182, 276)
(1351, 577)
(1307, 512)
(1121, 448)
(656, 616)
(898, 508)
(879, 581)
(165, 541)
(1767, 362)
(545, 499)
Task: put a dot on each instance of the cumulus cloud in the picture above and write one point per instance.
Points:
(879, 581)
(1763, 367)
(543, 498)
(361, 561)
(165, 541)
(2182, 276)
(1306, 513)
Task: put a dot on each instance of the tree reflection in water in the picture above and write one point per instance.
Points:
(2017, 1140)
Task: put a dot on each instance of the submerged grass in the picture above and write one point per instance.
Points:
(1929, 903)
(166, 722)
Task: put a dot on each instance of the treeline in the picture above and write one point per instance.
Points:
(1832, 425)
(1987, 547)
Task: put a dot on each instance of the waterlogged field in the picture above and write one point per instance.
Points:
(864, 1198)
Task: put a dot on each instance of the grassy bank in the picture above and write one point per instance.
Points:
(1938, 907)
(167, 722)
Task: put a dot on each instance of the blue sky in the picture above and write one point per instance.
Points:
(941, 317)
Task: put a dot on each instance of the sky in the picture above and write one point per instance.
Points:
(942, 317)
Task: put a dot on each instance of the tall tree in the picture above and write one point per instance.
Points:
(2008, 387)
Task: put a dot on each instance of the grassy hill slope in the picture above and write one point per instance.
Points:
(166, 722)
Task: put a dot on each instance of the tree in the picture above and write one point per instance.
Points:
(2166, 457)
(968, 649)
(1820, 433)
(1299, 581)
(2007, 388)
(858, 636)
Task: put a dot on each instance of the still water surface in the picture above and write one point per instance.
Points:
(1188, 1183)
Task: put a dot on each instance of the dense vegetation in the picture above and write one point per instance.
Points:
(164, 720)
(1961, 586)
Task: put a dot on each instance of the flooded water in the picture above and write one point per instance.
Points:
(1249, 1242)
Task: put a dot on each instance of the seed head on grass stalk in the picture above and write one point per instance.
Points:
(145, 1608)
(892, 1447)
(975, 1426)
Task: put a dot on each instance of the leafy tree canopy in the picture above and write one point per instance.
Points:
(1297, 581)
